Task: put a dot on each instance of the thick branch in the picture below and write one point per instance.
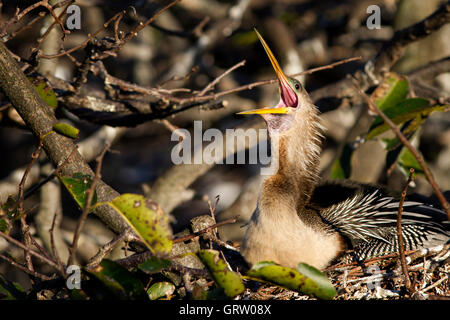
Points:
(392, 50)
(40, 119)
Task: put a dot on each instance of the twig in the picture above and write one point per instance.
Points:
(25, 27)
(107, 248)
(31, 251)
(142, 25)
(198, 233)
(435, 284)
(34, 156)
(328, 66)
(392, 50)
(50, 28)
(25, 269)
(87, 205)
(52, 243)
(367, 261)
(408, 145)
(173, 128)
(43, 3)
(401, 248)
(258, 83)
(84, 43)
(137, 258)
(40, 119)
(24, 226)
(216, 80)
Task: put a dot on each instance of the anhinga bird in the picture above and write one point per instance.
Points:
(298, 220)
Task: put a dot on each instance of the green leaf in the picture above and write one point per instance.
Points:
(406, 160)
(11, 290)
(154, 265)
(147, 219)
(78, 294)
(405, 110)
(342, 166)
(391, 91)
(10, 207)
(66, 130)
(228, 280)
(305, 279)
(4, 225)
(78, 185)
(45, 92)
(160, 290)
(118, 280)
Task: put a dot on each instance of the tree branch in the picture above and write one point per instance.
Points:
(40, 119)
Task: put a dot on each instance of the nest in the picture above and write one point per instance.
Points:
(378, 278)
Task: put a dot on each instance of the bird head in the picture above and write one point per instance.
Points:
(292, 96)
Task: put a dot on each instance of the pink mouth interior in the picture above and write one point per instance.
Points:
(288, 95)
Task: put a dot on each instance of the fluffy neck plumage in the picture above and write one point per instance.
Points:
(299, 149)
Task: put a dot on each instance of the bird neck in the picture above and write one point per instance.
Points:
(298, 153)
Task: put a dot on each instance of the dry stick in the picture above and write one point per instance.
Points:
(401, 248)
(129, 36)
(160, 93)
(198, 233)
(54, 252)
(43, 3)
(40, 119)
(408, 145)
(141, 257)
(107, 248)
(55, 172)
(84, 43)
(142, 25)
(252, 85)
(25, 269)
(87, 205)
(216, 80)
(25, 27)
(50, 28)
(24, 226)
(370, 260)
(31, 251)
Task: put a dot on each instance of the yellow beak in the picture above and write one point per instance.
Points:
(284, 84)
(280, 74)
(266, 111)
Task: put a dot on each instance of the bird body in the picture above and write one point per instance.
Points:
(298, 220)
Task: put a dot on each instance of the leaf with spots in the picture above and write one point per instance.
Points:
(160, 290)
(45, 91)
(306, 279)
(228, 280)
(147, 219)
(78, 185)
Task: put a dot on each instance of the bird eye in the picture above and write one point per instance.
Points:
(297, 86)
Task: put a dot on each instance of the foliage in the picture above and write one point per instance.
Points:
(391, 97)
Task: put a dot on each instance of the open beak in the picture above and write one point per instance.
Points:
(288, 96)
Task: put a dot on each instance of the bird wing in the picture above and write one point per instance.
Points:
(368, 214)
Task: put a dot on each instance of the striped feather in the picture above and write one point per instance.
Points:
(370, 222)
